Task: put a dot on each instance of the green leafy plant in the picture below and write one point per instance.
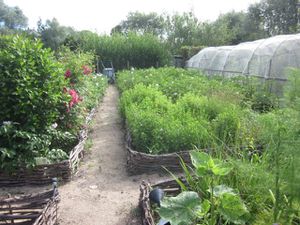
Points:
(218, 202)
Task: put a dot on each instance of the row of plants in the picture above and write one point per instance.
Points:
(44, 101)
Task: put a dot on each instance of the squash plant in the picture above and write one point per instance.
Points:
(213, 202)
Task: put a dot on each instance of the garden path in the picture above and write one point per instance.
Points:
(102, 193)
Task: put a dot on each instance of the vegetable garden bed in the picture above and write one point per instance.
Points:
(33, 209)
(43, 174)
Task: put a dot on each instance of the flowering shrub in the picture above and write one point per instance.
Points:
(79, 82)
(76, 65)
(42, 107)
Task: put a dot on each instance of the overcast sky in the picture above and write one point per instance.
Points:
(102, 15)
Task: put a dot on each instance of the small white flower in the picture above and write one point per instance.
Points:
(54, 125)
(7, 123)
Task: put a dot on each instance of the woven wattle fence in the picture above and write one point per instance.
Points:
(34, 209)
(139, 162)
(43, 174)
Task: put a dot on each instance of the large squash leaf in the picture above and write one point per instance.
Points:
(233, 209)
(182, 209)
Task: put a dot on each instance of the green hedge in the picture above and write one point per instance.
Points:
(133, 50)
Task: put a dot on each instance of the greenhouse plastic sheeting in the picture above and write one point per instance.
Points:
(265, 58)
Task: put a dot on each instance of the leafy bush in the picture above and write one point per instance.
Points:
(31, 83)
(76, 64)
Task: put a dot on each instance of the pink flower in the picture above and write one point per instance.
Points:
(75, 98)
(86, 70)
(68, 74)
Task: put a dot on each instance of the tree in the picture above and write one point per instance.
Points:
(182, 29)
(52, 34)
(214, 34)
(278, 16)
(11, 17)
(254, 23)
(142, 23)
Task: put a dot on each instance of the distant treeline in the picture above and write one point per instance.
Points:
(143, 40)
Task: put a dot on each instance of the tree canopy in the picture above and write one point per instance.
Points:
(11, 17)
(53, 34)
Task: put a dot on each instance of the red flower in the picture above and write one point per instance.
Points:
(68, 73)
(86, 70)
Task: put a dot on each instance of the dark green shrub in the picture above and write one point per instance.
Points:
(31, 83)
(263, 102)
(32, 100)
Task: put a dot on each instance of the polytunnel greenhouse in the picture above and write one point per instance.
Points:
(265, 58)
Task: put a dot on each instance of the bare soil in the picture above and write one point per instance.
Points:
(102, 193)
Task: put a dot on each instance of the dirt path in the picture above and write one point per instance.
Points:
(102, 193)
